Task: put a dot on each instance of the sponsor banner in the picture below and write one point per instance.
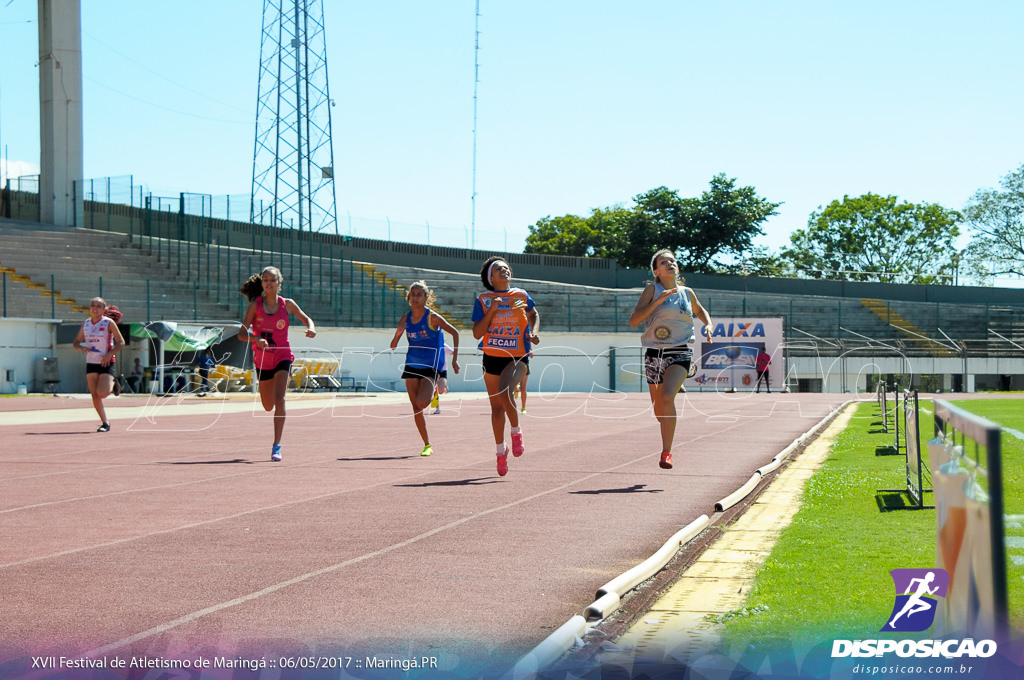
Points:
(729, 354)
(729, 360)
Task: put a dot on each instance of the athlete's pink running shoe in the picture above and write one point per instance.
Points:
(517, 444)
(503, 463)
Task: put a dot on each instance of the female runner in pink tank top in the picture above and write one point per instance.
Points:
(266, 326)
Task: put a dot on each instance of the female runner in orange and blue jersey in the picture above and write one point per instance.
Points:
(506, 320)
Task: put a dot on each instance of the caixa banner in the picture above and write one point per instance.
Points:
(741, 349)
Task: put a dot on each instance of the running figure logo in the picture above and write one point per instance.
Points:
(916, 593)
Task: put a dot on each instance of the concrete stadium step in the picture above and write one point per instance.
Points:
(78, 263)
(908, 330)
(456, 293)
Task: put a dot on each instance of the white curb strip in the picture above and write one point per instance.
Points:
(552, 648)
(610, 595)
(620, 585)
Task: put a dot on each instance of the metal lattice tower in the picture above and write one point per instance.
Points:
(293, 161)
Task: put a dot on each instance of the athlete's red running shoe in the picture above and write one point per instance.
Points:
(666, 460)
(503, 463)
(517, 444)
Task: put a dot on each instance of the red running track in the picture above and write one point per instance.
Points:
(174, 536)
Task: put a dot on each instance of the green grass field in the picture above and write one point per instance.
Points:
(828, 575)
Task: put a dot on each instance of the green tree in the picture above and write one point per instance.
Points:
(611, 226)
(566, 235)
(652, 224)
(761, 262)
(877, 238)
(723, 221)
(995, 218)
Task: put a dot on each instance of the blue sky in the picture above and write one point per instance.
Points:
(582, 104)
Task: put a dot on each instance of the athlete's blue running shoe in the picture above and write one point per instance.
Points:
(275, 453)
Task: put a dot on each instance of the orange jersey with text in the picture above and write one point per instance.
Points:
(506, 336)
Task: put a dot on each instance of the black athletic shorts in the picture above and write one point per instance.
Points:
(496, 365)
(422, 372)
(99, 368)
(269, 373)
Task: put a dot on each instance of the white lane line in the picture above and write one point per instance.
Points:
(188, 618)
(194, 616)
(213, 520)
(125, 492)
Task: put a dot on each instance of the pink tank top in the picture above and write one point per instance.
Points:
(273, 328)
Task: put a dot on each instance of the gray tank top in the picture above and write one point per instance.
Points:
(671, 322)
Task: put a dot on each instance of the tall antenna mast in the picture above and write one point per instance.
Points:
(293, 158)
(476, 82)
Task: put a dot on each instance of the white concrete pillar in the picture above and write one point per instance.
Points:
(60, 108)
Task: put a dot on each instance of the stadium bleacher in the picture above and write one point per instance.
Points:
(52, 272)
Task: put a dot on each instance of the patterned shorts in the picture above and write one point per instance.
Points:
(657, 361)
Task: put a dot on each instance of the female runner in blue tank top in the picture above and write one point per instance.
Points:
(667, 308)
(425, 359)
